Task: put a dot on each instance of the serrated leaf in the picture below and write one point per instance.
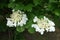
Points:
(20, 29)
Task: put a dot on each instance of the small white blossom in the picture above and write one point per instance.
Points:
(43, 24)
(17, 18)
(35, 19)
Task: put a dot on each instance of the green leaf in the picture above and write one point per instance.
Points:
(31, 30)
(29, 23)
(20, 29)
(19, 6)
(11, 5)
(28, 7)
(57, 12)
(49, 7)
(30, 20)
(36, 2)
(52, 1)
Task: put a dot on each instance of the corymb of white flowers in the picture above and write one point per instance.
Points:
(43, 24)
(17, 18)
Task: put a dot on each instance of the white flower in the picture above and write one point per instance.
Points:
(43, 24)
(17, 18)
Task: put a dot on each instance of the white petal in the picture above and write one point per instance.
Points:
(51, 23)
(35, 19)
(14, 24)
(42, 30)
(26, 18)
(34, 25)
(37, 29)
(24, 22)
(47, 29)
(19, 11)
(24, 15)
(46, 18)
(9, 23)
(8, 19)
(13, 10)
(20, 23)
(42, 33)
(51, 29)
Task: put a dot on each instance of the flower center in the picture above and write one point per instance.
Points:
(16, 16)
(42, 23)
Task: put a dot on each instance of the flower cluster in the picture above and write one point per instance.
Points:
(43, 24)
(17, 18)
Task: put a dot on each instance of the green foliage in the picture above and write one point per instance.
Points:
(31, 30)
(57, 12)
(28, 7)
(20, 29)
(11, 5)
(29, 23)
(52, 1)
(19, 6)
(36, 2)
